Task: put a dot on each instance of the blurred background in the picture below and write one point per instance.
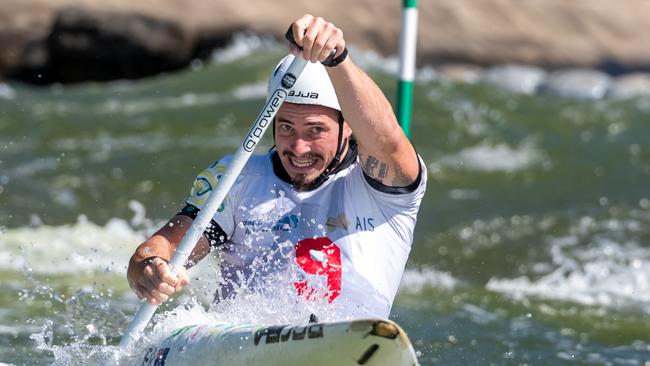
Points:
(533, 241)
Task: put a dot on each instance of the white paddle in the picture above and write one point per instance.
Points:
(182, 253)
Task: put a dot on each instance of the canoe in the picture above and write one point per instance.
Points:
(372, 342)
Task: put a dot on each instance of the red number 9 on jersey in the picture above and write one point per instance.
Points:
(322, 257)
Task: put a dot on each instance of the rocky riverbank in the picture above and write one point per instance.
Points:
(45, 41)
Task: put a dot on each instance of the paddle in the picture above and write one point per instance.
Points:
(182, 253)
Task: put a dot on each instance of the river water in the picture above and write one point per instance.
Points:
(532, 246)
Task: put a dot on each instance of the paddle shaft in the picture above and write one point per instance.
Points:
(193, 234)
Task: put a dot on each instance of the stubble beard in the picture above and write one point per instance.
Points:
(302, 181)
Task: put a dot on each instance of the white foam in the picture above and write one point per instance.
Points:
(6, 92)
(607, 272)
(32, 167)
(250, 91)
(243, 45)
(415, 281)
(515, 78)
(426, 74)
(186, 100)
(464, 194)
(79, 247)
(372, 60)
(129, 107)
(500, 157)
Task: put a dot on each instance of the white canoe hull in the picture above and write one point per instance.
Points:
(372, 342)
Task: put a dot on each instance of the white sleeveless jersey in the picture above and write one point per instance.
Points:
(345, 241)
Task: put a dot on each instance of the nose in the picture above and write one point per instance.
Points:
(300, 146)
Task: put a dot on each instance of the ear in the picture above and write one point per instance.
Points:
(347, 130)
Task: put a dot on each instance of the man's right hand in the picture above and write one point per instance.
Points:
(153, 280)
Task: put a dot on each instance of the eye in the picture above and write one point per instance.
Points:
(317, 130)
(285, 128)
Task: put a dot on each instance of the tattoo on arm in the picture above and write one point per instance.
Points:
(383, 171)
(371, 164)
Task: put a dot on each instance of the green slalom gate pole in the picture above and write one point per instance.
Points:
(407, 45)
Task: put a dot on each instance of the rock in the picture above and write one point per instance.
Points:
(577, 83)
(631, 85)
(86, 45)
(515, 78)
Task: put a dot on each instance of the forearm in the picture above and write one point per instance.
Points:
(386, 153)
(365, 107)
(164, 242)
(156, 246)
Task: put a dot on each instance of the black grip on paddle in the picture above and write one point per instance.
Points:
(289, 37)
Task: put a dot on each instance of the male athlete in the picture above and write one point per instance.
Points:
(332, 213)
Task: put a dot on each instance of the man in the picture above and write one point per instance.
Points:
(325, 214)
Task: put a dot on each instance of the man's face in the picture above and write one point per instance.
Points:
(306, 137)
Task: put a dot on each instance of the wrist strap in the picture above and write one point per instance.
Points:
(149, 260)
(332, 62)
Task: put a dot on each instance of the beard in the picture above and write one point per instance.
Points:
(303, 181)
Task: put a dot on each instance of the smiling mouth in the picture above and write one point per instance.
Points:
(302, 163)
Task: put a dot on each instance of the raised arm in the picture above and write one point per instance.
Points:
(386, 153)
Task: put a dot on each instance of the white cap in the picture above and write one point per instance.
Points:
(312, 87)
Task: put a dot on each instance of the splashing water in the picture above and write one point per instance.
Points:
(80, 332)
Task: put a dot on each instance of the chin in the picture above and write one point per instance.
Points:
(301, 181)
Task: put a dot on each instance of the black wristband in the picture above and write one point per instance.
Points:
(332, 62)
(149, 260)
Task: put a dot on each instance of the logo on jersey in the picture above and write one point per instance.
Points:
(287, 223)
(201, 186)
(339, 222)
(365, 223)
(320, 259)
(205, 183)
